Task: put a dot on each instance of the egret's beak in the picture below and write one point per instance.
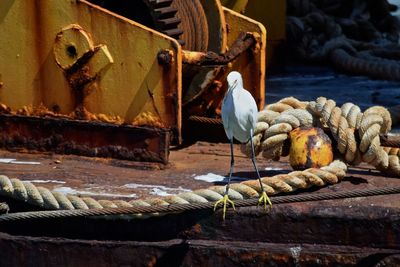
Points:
(233, 85)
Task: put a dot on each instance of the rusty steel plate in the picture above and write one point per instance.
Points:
(361, 231)
(182, 252)
(87, 138)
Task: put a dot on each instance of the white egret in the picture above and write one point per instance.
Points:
(239, 116)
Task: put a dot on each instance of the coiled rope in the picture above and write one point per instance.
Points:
(357, 37)
(356, 133)
(194, 206)
(4, 208)
(282, 183)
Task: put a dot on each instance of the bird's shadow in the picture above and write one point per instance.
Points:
(355, 180)
(363, 172)
(368, 172)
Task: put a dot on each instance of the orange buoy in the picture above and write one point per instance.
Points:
(309, 148)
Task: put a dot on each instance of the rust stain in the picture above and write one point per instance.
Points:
(147, 118)
(152, 262)
(87, 138)
(79, 79)
(43, 111)
(239, 46)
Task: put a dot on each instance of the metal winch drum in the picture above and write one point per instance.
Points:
(117, 78)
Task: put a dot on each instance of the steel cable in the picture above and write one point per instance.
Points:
(56, 214)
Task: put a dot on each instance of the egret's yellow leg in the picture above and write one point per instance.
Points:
(225, 200)
(264, 197)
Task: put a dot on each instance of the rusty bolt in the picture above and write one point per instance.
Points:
(164, 57)
(71, 51)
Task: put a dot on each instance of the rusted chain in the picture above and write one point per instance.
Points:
(242, 43)
(194, 206)
(4, 208)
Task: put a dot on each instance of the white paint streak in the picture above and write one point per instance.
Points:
(46, 181)
(159, 192)
(14, 161)
(159, 187)
(69, 190)
(210, 177)
(25, 162)
(5, 160)
(295, 251)
(273, 169)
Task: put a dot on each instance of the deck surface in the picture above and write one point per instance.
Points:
(347, 232)
(362, 231)
(108, 178)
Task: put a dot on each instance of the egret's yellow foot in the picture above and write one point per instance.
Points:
(264, 199)
(225, 200)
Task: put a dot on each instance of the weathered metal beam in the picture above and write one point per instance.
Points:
(67, 63)
(325, 223)
(210, 58)
(87, 138)
(33, 251)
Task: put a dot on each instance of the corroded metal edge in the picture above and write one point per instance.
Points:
(86, 138)
(312, 223)
(180, 252)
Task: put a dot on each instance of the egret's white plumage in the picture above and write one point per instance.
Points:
(239, 116)
(239, 110)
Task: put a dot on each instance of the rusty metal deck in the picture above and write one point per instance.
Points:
(348, 232)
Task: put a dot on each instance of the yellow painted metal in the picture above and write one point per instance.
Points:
(236, 5)
(71, 44)
(271, 13)
(203, 77)
(251, 67)
(50, 49)
(216, 25)
(309, 148)
(206, 93)
(129, 79)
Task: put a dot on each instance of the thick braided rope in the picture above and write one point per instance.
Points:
(4, 208)
(356, 133)
(275, 123)
(315, 35)
(283, 183)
